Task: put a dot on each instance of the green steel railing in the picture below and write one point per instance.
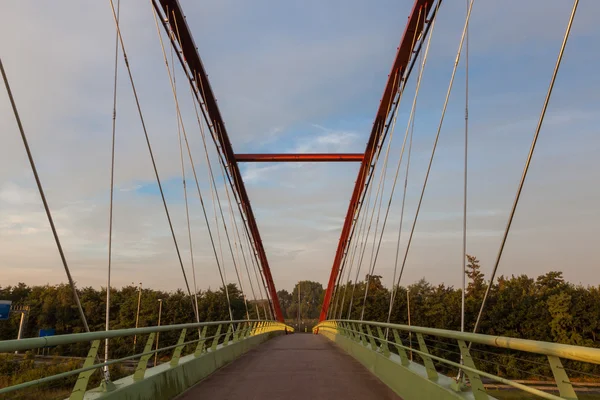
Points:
(382, 337)
(226, 332)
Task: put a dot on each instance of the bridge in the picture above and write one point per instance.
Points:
(262, 355)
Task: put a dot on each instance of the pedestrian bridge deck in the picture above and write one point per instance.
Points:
(299, 366)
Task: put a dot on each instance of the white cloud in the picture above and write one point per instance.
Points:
(272, 71)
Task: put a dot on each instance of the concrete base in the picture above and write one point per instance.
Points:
(164, 382)
(410, 383)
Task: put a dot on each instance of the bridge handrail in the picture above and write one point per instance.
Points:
(251, 327)
(71, 338)
(567, 351)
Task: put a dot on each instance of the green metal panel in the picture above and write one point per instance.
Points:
(361, 335)
(237, 330)
(228, 335)
(371, 339)
(84, 377)
(140, 370)
(177, 352)
(399, 346)
(215, 342)
(474, 378)
(384, 345)
(562, 379)
(200, 345)
(431, 372)
(249, 329)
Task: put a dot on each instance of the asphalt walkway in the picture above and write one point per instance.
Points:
(292, 367)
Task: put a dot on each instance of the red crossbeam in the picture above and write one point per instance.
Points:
(403, 56)
(310, 157)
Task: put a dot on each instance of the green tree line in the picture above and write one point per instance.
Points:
(545, 308)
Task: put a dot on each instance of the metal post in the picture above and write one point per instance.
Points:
(20, 334)
(409, 333)
(298, 306)
(137, 315)
(158, 333)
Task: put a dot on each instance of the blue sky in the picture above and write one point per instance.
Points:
(291, 77)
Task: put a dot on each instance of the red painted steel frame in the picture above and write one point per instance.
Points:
(314, 157)
(174, 14)
(401, 61)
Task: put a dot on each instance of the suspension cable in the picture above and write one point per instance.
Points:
(222, 271)
(233, 223)
(361, 231)
(360, 261)
(437, 137)
(196, 94)
(465, 185)
(180, 126)
(112, 186)
(528, 161)
(254, 261)
(139, 109)
(374, 254)
(210, 234)
(43, 196)
(406, 175)
(375, 147)
(409, 129)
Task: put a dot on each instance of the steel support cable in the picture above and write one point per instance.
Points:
(437, 137)
(465, 187)
(394, 285)
(223, 218)
(241, 247)
(357, 241)
(356, 217)
(195, 94)
(180, 128)
(221, 266)
(361, 230)
(112, 186)
(528, 161)
(253, 257)
(377, 147)
(382, 185)
(377, 194)
(202, 203)
(346, 269)
(213, 189)
(367, 189)
(214, 192)
(43, 196)
(409, 131)
(407, 74)
(247, 271)
(233, 223)
(375, 253)
(139, 109)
